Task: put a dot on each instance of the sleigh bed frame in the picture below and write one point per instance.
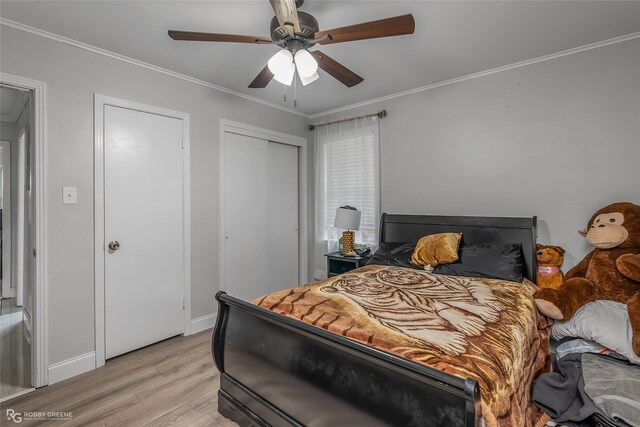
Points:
(277, 371)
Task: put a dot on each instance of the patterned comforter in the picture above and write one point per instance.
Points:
(485, 329)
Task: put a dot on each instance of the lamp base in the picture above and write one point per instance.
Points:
(348, 242)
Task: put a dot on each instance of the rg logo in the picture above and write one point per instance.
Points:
(14, 416)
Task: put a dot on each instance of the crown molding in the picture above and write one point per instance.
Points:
(100, 51)
(520, 64)
(117, 56)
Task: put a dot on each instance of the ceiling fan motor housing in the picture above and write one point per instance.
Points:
(308, 27)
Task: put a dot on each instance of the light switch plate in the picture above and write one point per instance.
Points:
(69, 196)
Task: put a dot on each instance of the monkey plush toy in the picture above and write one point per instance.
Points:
(610, 272)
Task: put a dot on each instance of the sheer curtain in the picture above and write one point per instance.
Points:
(347, 172)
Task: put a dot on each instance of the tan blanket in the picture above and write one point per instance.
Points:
(485, 329)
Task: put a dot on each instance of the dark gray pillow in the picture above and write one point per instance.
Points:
(491, 260)
(396, 254)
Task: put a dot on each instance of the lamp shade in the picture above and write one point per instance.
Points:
(285, 76)
(347, 218)
(279, 62)
(306, 63)
(306, 80)
(282, 66)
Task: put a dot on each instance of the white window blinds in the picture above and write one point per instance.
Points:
(347, 173)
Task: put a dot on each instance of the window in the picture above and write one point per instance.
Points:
(347, 173)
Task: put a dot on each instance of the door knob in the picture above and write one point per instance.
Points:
(114, 245)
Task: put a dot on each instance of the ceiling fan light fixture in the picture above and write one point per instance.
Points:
(306, 80)
(281, 62)
(296, 31)
(306, 63)
(285, 75)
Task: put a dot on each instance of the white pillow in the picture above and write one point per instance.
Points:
(605, 322)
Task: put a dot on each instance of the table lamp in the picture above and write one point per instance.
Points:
(348, 217)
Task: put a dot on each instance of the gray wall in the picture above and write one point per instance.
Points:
(72, 76)
(556, 139)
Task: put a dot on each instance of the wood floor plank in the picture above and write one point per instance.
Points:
(196, 363)
(163, 403)
(157, 353)
(88, 407)
(171, 383)
(86, 383)
(197, 353)
(83, 394)
(202, 339)
(104, 408)
(189, 414)
(166, 387)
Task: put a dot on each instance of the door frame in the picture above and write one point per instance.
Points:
(22, 145)
(6, 221)
(282, 138)
(100, 102)
(40, 325)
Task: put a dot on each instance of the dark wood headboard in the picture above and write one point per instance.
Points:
(474, 229)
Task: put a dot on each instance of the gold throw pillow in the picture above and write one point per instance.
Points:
(437, 249)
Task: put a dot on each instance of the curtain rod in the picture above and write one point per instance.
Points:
(380, 114)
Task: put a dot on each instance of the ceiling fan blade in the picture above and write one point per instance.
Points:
(287, 15)
(262, 79)
(336, 70)
(216, 37)
(397, 26)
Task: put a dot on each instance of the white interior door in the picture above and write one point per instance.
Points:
(245, 216)
(283, 216)
(144, 276)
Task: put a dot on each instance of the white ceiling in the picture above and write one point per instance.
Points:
(452, 38)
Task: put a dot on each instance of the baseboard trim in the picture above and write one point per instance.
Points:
(71, 367)
(203, 323)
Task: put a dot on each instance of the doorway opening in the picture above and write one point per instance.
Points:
(17, 241)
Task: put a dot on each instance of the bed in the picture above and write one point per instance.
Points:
(280, 371)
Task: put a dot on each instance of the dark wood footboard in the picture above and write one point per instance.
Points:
(281, 372)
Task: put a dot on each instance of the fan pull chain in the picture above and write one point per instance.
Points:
(295, 92)
(284, 92)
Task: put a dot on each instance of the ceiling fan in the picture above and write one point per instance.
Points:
(295, 32)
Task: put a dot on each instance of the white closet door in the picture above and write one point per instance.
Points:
(245, 215)
(283, 216)
(144, 274)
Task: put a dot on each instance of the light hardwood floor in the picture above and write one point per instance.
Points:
(173, 382)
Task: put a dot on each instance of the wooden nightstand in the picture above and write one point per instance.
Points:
(338, 263)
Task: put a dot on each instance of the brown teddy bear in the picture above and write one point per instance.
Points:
(609, 272)
(550, 259)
